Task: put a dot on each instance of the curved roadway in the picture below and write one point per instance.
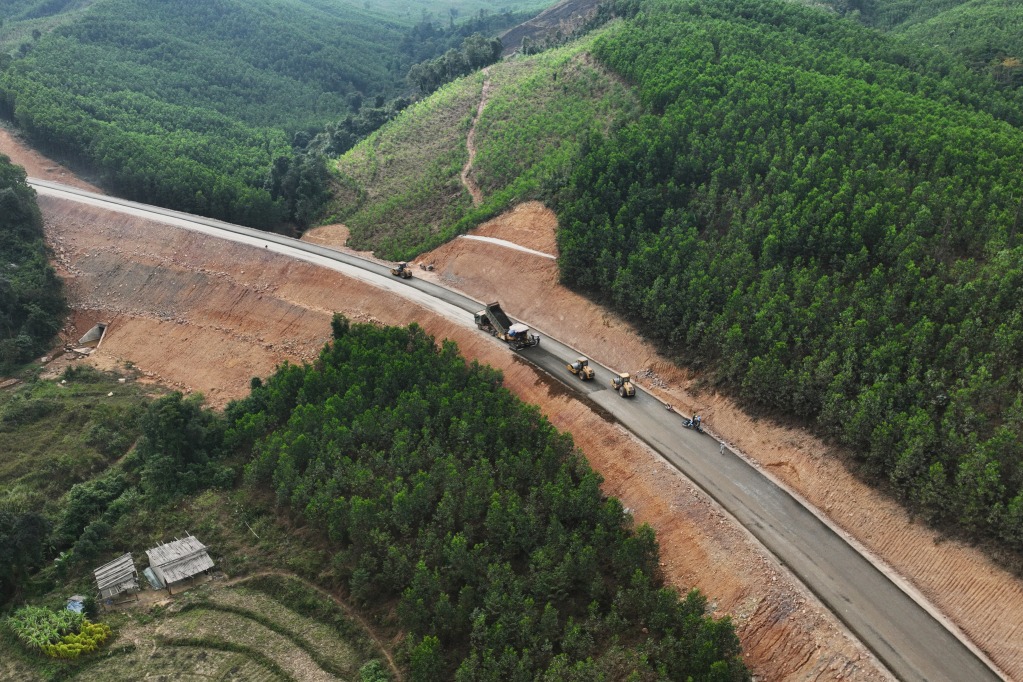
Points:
(900, 629)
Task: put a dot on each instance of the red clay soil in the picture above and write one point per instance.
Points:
(35, 164)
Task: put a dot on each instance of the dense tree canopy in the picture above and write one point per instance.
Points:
(440, 490)
(188, 104)
(833, 226)
(31, 298)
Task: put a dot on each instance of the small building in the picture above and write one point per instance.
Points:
(178, 560)
(117, 577)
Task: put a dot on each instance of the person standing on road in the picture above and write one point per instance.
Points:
(721, 450)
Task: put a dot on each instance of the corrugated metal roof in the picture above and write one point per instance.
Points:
(178, 560)
(116, 576)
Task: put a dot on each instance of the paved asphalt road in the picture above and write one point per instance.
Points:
(903, 634)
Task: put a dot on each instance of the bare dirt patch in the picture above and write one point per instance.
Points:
(530, 224)
(327, 235)
(470, 144)
(37, 165)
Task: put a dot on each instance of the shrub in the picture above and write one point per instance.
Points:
(58, 634)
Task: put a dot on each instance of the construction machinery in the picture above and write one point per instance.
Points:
(623, 384)
(402, 270)
(493, 320)
(581, 368)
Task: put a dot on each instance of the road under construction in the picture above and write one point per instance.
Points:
(899, 626)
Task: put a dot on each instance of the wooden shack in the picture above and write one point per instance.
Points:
(117, 577)
(178, 560)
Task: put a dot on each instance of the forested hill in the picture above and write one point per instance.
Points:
(830, 221)
(987, 34)
(189, 104)
(186, 104)
(31, 299)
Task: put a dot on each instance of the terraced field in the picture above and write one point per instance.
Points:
(234, 633)
(181, 663)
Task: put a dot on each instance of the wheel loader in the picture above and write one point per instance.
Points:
(402, 270)
(581, 368)
(623, 384)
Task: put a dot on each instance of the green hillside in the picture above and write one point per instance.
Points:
(988, 34)
(185, 104)
(189, 105)
(823, 217)
(453, 517)
(401, 190)
(464, 512)
(830, 227)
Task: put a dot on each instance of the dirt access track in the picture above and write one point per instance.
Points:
(203, 314)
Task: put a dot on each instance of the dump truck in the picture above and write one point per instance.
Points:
(402, 270)
(494, 321)
(623, 384)
(581, 368)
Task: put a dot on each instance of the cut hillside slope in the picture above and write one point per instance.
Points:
(37, 165)
(561, 18)
(207, 315)
(400, 191)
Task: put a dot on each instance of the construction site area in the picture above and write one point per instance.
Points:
(197, 313)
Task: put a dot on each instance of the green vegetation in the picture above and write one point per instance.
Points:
(400, 190)
(986, 34)
(31, 297)
(58, 634)
(812, 212)
(207, 108)
(187, 105)
(213, 629)
(476, 52)
(447, 510)
(539, 113)
(58, 491)
(400, 185)
(438, 489)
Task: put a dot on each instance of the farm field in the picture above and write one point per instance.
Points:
(235, 632)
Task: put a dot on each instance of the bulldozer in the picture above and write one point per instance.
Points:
(623, 384)
(581, 368)
(402, 270)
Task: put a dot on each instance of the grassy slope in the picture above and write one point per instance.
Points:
(52, 434)
(401, 185)
(400, 189)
